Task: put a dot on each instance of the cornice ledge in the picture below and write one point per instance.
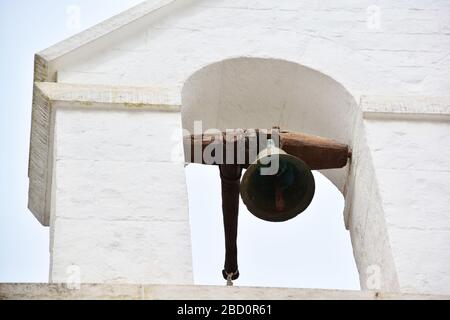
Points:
(414, 107)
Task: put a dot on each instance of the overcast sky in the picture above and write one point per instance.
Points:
(311, 251)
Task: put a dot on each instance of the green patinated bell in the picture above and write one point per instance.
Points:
(281, 195)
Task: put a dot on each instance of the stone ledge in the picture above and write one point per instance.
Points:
(409, 106)
(167, 292)
(79, 95)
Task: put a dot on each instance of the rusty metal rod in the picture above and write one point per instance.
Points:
(230, 177)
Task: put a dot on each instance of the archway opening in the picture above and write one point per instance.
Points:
(255, 93)
(311, 251)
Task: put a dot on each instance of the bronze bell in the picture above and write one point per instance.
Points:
(277, 187)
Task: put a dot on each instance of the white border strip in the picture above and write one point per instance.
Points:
(406, 106)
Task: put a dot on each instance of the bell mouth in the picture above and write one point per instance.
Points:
(281, 195)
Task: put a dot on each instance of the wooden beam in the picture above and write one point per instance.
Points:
(317, 152)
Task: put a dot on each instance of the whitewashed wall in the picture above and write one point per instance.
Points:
(120, 211)
(397, 189)
(411, 157)
(408, 55)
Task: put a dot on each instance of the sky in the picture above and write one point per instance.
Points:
(312, 251)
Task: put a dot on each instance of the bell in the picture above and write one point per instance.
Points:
(277, 187)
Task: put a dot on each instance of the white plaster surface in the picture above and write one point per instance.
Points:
(130, 251)
(120, 199)
(407, 55)
(170, 292)
(118, 135)
(153, 98)
(413, 173)
(50, 96)
(396, 187)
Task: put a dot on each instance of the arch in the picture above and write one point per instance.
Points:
(252, 92)
(261, 93)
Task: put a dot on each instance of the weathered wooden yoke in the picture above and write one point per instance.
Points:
(243, 146)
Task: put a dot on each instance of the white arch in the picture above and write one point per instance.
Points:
(251, 92)
(260, 93)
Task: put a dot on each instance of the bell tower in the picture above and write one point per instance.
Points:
(110, 105)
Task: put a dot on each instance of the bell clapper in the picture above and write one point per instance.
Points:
(230, 280)
(231, 277)
(279, 200)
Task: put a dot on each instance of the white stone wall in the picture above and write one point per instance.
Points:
(411, 157)
(171, 292)
(407, 55)
(120, 198)
(396, 187)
